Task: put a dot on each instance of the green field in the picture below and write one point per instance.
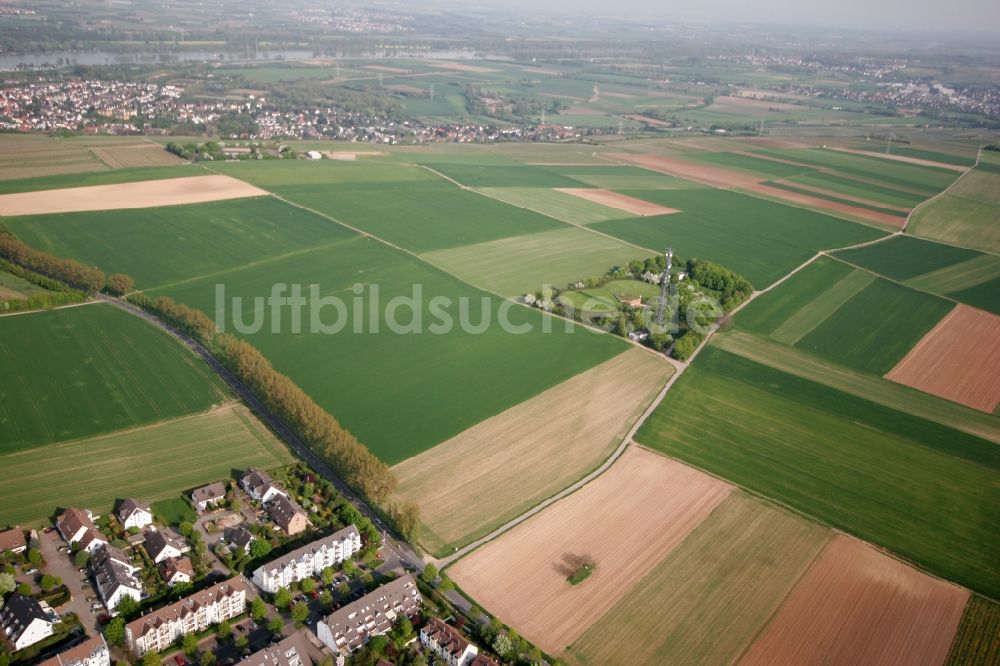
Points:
(751, 164)
(109, 177)
(924, 491)
(978, 637)
(616, 177)
(761, 240)
(768, 311)
(876, 328)
(985, 296)
(910, 177)
(403, 393)
(521, 264)
(81, 371)
(861, 384)
(966, 214)
(825, 304)
(790, 187)
(708, 599)
(12, 286)
(174, 511)
(149, 463)
(158, 246)
(931, 155)
(420, 216)
(521, 175)
(903, 257)
(859, 187)
(561, 206)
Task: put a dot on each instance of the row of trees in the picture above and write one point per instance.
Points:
(184, 318)
(321, 432)
(85, 278)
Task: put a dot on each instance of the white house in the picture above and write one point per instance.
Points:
(26, 621)
(309, 560)
(208, 496)
(447, 643)
(314, 155)
(93, 652)
(240, 539)
(349, 627)
(160, 629)
(260, 487)
(176, 571)
(115, 576)
(159, 546)
(73, 522)
(134, 514)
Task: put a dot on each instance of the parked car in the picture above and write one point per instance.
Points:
(314, 594)
(180, 660)
(31, 570)
(96, 606)
(82, 570)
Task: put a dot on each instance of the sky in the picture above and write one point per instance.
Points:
(924, 15)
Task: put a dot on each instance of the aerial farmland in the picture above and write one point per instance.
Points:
(606, 352)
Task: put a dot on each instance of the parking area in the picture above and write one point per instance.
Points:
(59, 562)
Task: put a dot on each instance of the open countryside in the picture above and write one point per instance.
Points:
(573, 344)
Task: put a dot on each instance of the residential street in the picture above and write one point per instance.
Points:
(61, 564)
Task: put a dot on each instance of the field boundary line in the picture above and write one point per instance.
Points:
(252, 264)
(58, 307)
(913, 210)
(608, 462)
(538, 212)
(836, 530)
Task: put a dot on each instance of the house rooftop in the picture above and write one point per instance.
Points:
(291, 651)
(339, 535)
(282, 510)
(130, 506)
(12, 539)
(182, 608)
(209, 493)
(448, 638)
(78, 654)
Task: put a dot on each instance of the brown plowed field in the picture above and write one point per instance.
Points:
(959, 360)
(825, 204)
(144, 194)
(498, 469)
(858, 606)
(702, 173)
(617, 201)
(627, 521)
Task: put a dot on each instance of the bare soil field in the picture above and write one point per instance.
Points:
(707, 601)
(144, 194)
(959, 360)
(721, 103)
(858, 606)
(496, 470)
(827, 205)
(702, 173)
(34, 155)
(139, 155)
(618, 201)
(626, 521)
(461, 67)
(387, 69)
(646, 119)
(903, 158)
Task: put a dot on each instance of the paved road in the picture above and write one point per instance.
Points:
(62, 565)
(391, 543)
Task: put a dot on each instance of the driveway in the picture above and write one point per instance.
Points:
(62, 565)
(211, 540)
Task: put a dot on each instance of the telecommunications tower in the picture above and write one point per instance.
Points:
(661, 306)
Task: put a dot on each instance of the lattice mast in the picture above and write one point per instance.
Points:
(661, 306)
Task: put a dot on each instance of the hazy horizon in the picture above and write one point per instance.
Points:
(970, 16)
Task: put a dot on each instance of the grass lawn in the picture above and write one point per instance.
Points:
(921, 490)
(762, 240)
(876, 328)
(158, 246)
(149, 463)
(520, 264)
(403, 393)
(81, 371)
(174, 511)
(707, 601)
